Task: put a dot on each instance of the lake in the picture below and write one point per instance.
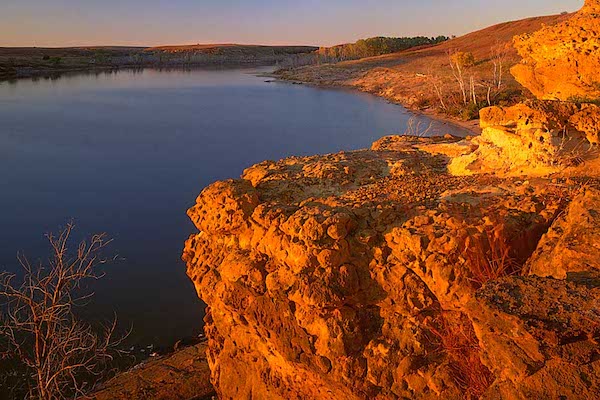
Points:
(127, 153)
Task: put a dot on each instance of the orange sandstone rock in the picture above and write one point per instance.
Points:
(397, 272)
(516, 140)
(330, 277)
(561, 62)
(572, 244)
(587, 120)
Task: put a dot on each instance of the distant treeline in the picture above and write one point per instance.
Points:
(33, 61)
(375, 47)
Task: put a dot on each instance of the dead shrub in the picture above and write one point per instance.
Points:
(58, 355)
(456, 339)
(488, 256)
(422, 103)
(417, 128)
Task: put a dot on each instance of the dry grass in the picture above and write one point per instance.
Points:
(489, 256)
(417, 128)
(456, 339)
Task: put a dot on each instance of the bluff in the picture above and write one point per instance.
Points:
(560, 67)
(421, 268)
(20, 62)
(561, 62)
(377, 274)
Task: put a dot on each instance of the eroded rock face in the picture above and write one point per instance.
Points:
(586, 119)
(532, 140)
(561, 62)
(515, 141)
(591, 7)
(422, 268)
(542, 137)
(541, 336)
(573, 243)
(337, 277)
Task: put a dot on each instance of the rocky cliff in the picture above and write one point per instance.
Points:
(377, 274)
(421, 268)
(560, 128)
(561, 62)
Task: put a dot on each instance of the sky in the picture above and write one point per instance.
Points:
(55, 23)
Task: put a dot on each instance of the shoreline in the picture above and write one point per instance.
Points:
(154, 375)
(26, 62)
(49, 74)
(471, 126)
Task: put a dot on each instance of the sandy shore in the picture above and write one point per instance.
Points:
(472, 125)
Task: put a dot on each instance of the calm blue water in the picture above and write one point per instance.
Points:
(127, 153)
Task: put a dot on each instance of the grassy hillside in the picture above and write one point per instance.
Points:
(422, 78)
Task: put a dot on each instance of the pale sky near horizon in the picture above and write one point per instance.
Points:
(54, 23)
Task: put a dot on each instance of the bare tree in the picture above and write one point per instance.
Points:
(39, 327)
(472, 90)
(457, 72)
(437, 88)
(488, 85)
(499, 54)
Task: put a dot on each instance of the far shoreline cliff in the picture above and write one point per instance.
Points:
(25, 62)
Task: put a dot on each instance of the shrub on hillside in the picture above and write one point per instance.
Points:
(463, 59)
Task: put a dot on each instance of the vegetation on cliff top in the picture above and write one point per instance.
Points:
(375, 46)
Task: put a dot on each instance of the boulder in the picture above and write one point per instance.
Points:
(572, 244)
(561, 62)
(539, 336)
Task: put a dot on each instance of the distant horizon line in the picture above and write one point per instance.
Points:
(137, 46)
(252, 44)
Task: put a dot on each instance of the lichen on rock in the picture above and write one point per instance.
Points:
(572, 244)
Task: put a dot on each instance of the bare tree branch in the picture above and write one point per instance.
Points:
(39, 327)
